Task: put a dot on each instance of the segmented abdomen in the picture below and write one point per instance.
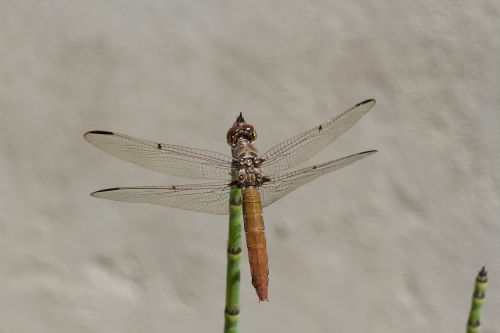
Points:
(256, 240)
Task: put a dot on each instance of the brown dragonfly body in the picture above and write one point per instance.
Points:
(256, 240)
(263, 179)
(248, 176)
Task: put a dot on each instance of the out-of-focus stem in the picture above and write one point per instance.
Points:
(477, 301)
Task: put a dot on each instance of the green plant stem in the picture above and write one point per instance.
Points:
(477, 301)
(232, 310)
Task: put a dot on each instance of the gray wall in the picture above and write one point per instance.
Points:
(389, 244)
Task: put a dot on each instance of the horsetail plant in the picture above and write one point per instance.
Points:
(478, 296)
(232, 310)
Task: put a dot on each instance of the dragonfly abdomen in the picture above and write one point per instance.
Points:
(256, 240)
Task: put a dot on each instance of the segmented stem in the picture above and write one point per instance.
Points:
(232, 310)
(477, 301)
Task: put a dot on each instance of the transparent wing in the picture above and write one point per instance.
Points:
(281, 185)
(173, 160)
(212, 198)
(305, 145)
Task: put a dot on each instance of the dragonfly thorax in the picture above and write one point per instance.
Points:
(249, 176)
(244, 151)
(246, 161)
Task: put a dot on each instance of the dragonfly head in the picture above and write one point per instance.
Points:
(241, 129)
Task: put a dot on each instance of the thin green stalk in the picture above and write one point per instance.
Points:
(232, 310)
(477, 301)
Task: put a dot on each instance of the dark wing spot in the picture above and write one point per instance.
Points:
(108, 189)
(173, 187)
(266, 179)
(100, 132)
(314, 167)
(320, 127)
(158, 146)
(105, 190)
(364, 102)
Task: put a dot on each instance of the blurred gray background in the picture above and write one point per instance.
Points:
(389, 244)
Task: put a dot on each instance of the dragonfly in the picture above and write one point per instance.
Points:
(262, 178)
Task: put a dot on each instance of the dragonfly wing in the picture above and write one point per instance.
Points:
(280, 185)
(305, 145)
(173, 160)
(212, 198)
